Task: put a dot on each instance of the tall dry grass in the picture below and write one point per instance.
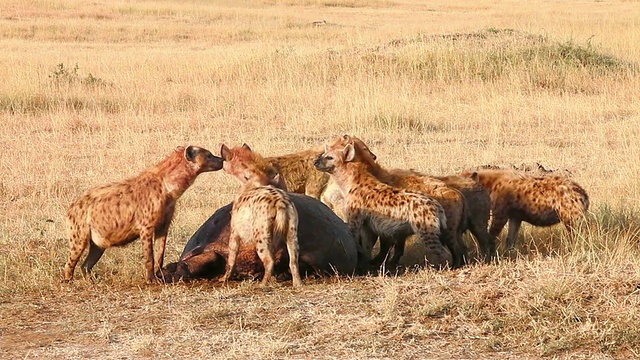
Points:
(96, 92)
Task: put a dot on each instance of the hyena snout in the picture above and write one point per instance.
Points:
(202, 159)
(321, 164)
(214, 163)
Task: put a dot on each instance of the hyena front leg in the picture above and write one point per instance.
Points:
(160, 246)
(365, 239)
(362, 234)
(514, 227)
(146, 236)
(486, 241)
(386, 243)
(398, 250)
(437, 254)
(499, 220)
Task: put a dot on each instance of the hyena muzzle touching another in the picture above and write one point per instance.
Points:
(374, 209)
(263, 216)
(140, 207)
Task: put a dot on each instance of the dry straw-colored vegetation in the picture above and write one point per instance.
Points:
(96, 91)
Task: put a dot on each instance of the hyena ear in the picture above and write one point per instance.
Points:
(278, 181)
(225, 152)
(326, 148)
(246, 147)
(349, 153)
(373, 156)
(190, 153)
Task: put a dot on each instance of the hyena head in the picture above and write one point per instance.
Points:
(345, 149)
(200, 159)
(335, 155)
(366, 155)
(249, 167)
(485, 178)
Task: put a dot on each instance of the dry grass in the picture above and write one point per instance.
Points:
(96, 91)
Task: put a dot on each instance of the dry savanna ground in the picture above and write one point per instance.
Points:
(93, 92)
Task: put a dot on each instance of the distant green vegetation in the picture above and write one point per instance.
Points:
(491, 55)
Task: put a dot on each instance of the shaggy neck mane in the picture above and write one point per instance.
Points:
(175, 173)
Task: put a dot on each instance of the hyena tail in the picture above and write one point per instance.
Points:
(286, 223)
(281, 221)
(442, 219)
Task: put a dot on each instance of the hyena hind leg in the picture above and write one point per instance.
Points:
(234, 246)
(292, 245)
(78, 241)
(266, 256)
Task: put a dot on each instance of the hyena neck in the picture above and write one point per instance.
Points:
(175, 174)
(176, 186)
(379, 172)
(351, 176)
(484, 181)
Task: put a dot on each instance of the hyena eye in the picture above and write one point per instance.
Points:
(329, 157)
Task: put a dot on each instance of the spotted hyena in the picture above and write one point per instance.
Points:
(141, 207)
(451, 200)
(263, 216)
(538, 200)
(373, 208)
(299, 174)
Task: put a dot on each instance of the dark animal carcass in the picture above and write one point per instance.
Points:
(326, 246)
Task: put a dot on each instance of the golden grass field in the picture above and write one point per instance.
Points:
(93, 92)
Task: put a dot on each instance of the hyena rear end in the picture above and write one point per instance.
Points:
(263, 216)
